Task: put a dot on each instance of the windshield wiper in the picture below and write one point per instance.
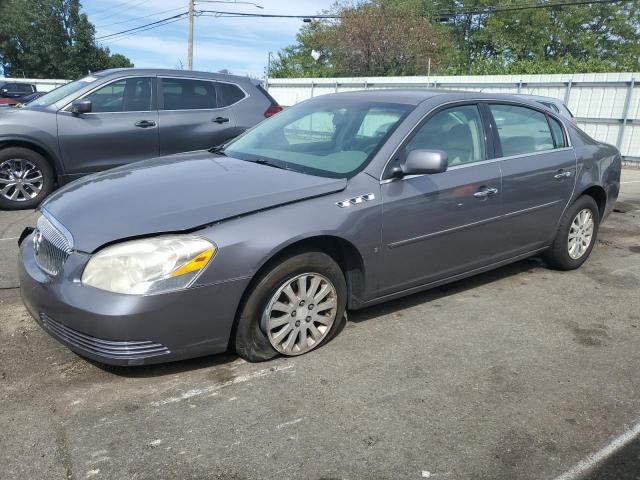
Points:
(269, 163)
(219, 150)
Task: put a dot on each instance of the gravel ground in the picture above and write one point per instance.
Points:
(516, 373)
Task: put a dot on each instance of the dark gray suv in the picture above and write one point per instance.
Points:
(115, 117)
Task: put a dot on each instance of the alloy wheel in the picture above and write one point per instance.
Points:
(580, 234)
(20, 180)
(301, 313)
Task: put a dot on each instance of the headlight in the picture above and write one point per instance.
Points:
(151, 265)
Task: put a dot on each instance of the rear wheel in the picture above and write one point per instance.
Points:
(295, 307)
(26, 178)
(576, 235)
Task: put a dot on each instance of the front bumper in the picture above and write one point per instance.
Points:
(128, 329)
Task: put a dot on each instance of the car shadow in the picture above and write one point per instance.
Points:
(222, 361)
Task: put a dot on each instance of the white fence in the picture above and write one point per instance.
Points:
(41, 85)
(607, 105)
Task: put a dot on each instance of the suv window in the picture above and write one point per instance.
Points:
(126, 95)
(230, 93)
(187, 94)
(521, 130)
(457, 131)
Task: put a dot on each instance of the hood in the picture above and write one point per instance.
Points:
(174, 193)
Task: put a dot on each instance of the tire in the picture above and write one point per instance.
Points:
(559, 255)
(20, 169)
(257, 330)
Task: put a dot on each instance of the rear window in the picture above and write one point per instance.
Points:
(521, 130)
(188, 94)
(230, 93)
(558, 133)
(266, 94)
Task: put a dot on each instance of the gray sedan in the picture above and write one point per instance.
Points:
(340, 202)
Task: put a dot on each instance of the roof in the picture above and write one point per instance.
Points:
(540, 97)
(417, 96)
(176, 73)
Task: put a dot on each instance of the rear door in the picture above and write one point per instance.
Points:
(190, 115)
(11, 90)
(121, 127)
(437, 226)
(538, 174)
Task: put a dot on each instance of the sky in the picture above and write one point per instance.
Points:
(240, 45)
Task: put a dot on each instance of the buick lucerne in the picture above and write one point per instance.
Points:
(339, 202)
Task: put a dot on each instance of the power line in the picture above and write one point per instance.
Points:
(129, 7)
(157, 22)
(477, 11)
(508, 8)
(117, 9)
(226, 14)
(140, 18)
(121, 37)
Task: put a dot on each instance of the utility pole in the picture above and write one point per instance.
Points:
(190, 48)
(192, 15)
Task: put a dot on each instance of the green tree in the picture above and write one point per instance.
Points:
(478, 37)
(51, 39)
(369, 39)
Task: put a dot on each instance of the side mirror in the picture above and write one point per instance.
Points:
(420, 162)
(81, 106)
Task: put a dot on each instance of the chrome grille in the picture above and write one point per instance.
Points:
(52, 246)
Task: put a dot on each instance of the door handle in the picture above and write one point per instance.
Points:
(145, 124)
(485, 192)
(220, 120)
(562, 174)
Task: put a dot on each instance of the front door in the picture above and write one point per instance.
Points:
(121, 128)
(437, 226)
(190, 117)
(538, 175)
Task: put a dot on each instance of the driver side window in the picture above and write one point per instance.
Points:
(126, 95)
(457, 131)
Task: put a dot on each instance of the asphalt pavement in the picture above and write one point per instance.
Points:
(520, 373)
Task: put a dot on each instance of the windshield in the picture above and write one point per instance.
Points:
(331, 138)
(59, 93)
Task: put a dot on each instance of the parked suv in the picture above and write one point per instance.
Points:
(120, 116)
(13, 93)
(554, 104)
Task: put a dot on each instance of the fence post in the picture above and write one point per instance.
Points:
(336, 86)
(625, 113)
(519, 86)
(567, 92)
(312, 87)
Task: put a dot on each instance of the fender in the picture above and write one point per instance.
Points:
(40, 147)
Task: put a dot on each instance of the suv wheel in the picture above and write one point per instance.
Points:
(26, 178)
(295, 307)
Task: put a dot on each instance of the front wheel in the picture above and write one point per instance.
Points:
(576, 235)
(293, 308)
(26, 178)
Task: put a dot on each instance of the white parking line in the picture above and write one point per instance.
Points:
(589, 462)
(10, 238)
(632, 181)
